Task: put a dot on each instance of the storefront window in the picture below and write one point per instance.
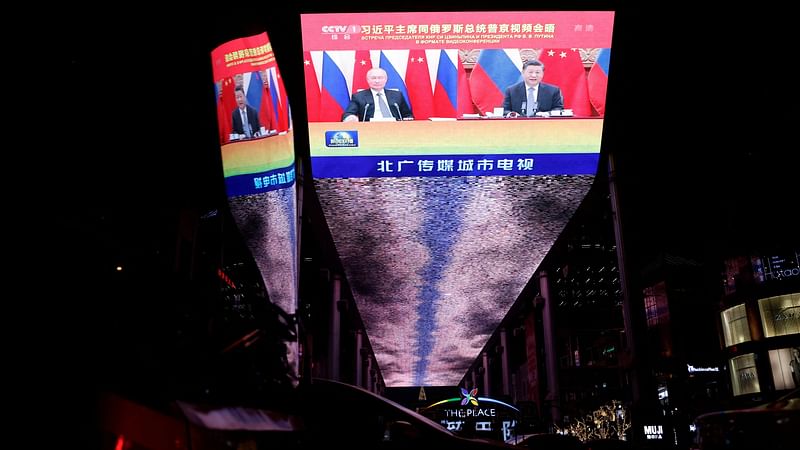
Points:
(744, 376)
(735, 326)
(785, 363)
(780, 315)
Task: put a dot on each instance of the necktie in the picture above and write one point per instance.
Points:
(245, 123)
(531, 103)
(384, 107)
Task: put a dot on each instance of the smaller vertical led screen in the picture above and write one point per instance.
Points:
(257, 145)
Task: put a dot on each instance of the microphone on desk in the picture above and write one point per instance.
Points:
(366, 108)
(535, 108)
(399, 114)
(524, 105)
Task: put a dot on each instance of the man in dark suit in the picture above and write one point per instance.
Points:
(376, 102)
(245, 117)
(530, 95)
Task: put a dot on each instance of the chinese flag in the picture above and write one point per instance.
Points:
(283, 104)
(312, 88)
(225, 107)
(418, 83)
(563, 67)
(265, 114)
(360, 68)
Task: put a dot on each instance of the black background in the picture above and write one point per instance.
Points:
(699, 113)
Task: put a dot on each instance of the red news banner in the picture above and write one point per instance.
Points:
(559, 29)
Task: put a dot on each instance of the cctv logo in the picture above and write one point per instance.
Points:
(335, 29)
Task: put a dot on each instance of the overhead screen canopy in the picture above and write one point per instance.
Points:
(441, 218)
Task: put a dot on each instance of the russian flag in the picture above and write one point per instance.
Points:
(598, 81)
(265, 113)
(495, 70)
(445, 94)
(254, 90)
(452, 94)
(334, 94)
(284, 119)
(392, 61)
(274, 94)
(312, 88)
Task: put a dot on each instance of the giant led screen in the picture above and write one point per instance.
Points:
(448, 151)
(256, 140)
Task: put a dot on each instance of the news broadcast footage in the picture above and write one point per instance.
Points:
(440, 220)
(257, 145)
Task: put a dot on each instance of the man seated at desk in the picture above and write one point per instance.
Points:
(530, 95)
(377, 102)
(245, 117)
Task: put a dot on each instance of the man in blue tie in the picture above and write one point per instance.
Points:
(530, 95)
(376, 102)
(245, 117)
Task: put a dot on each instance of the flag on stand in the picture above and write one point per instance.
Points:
(494, 71)
(361, 66)
(254, 90)
(220, 111)
(334, 94)
(417, 74)
(265, 113)
(465, 105)
(598, 81)
(312, 88)
(418, 82)
(445, 94)
(564, 68)
(391, 61)
(284, 120)
(225, 107)
(274, 98)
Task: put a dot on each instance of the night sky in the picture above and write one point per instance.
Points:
(134, 92)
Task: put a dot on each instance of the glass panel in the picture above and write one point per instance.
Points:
(744, 376)
(734, 325)
(780, 315)
(785, 363)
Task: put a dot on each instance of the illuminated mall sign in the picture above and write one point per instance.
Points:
(471, 412)
(693, 369)
(654, 432)
(776, 267)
